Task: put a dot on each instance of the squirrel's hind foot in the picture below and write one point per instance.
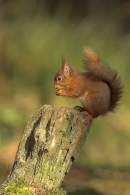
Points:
(85, 112)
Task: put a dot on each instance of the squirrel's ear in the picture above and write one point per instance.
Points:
(65, 67)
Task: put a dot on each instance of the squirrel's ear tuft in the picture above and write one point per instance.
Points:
(64, 61)
(65, 66)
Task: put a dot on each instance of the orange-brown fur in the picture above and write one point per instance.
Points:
(99, 89)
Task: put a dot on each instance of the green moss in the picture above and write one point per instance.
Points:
(19, 188)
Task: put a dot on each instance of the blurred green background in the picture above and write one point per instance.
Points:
(34, 34)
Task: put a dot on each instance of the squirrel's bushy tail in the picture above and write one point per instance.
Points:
(93, 65)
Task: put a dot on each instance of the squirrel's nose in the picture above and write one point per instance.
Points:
(55, 86)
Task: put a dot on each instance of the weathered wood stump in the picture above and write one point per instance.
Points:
(51, 142)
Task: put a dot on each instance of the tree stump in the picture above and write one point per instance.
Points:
(51, 142)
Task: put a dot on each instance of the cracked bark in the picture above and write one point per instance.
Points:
(51, 142)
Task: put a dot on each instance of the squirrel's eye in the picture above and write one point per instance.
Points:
(59, 78)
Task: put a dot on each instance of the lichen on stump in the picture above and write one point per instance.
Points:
(51, 142)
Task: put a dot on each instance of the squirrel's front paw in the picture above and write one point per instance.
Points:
(59, 92)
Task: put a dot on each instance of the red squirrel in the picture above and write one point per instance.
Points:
(99, 89)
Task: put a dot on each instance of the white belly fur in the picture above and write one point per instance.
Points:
(82, 99)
